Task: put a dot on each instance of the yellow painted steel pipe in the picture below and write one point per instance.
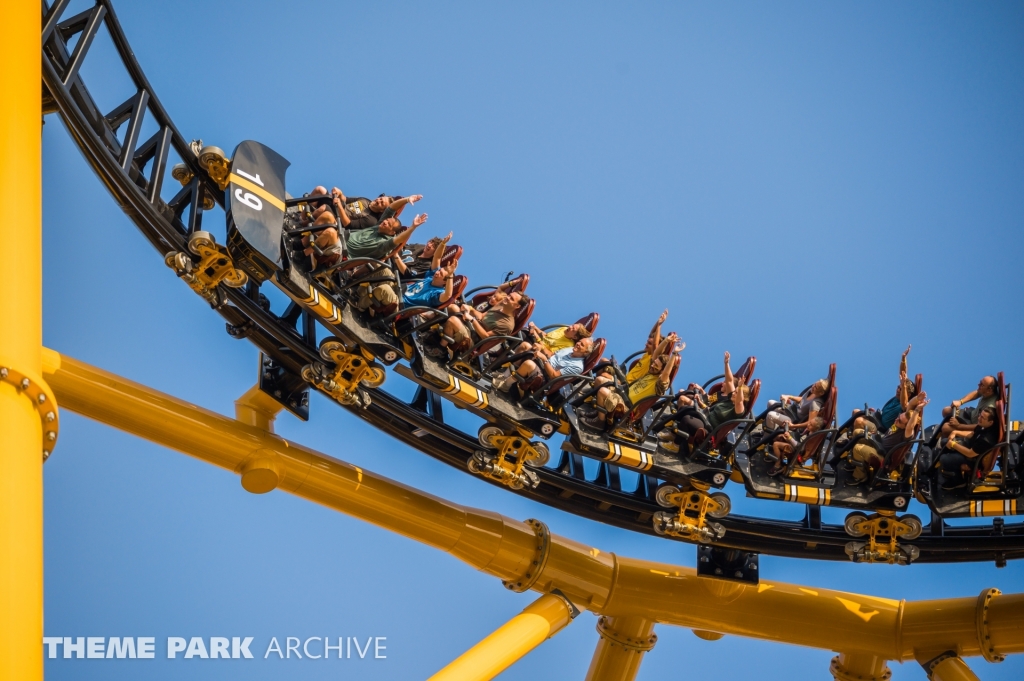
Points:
(846, 667)
(620, 650)
(592, 579)
(538, 622)
(21, 331)
(951, 668)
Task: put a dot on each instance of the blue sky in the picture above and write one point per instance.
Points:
(805, 182)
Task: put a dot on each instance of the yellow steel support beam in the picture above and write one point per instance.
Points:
(621, 648)
(538, 622)
(859, 667)
(592, 579)
(21, 335)
(949, 667)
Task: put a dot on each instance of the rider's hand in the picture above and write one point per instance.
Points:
(419, 220)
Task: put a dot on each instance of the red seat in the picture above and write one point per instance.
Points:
(595, 355)
(451, 254)
(590, 321)
(746, 370)
(516, 284)
(523, 316)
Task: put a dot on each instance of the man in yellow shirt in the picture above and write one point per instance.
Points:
(648, 377)
(559, 338)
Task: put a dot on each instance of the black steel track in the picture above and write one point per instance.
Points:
(134, 170)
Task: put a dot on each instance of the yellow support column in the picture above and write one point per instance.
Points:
(859, 667)
(21, 433)
(541, 620)
(623, 643)
(949, 667)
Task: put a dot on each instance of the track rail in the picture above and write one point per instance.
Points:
(134, 171)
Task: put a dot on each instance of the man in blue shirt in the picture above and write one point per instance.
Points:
(435, 288)
(533, 373)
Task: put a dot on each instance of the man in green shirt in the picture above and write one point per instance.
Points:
(380, 241)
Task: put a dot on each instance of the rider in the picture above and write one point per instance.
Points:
(565, 362)
(559, 338)
(498, 320)
(807, 407)
(965, 445)
(732, 403)
(360, 213)
(650, 376)
(906, 397)
(786, 446)
(378, 243)
(873, 455)
(423, 257)
(966, 418)
(436, 286)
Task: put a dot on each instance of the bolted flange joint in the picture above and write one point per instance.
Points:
(36, 390)
(636, 645)
(540, 559)
(981, 621)
(841, 673)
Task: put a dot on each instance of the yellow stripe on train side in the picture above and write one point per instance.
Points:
(808, 495)
(629, 456)
(465, 392)
(257, 190)
(993, 507)
(322, 307)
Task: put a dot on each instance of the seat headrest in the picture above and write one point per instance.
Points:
(746, 370)
(755, 389)
(590, 321)
(450, 254)
(523, 316)
(595, 355)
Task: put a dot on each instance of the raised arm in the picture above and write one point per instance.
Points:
(399, 205)
(435, 262)
(400, 265)
(403, 238)
(729, 384)
(656, 331)
(449, 275)
(339, 205)
(915, 418)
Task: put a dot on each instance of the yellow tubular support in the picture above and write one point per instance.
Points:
(621, 648)
(846, 667)
(508, 549)
(21, 330)
(949, 667)
(538, 622)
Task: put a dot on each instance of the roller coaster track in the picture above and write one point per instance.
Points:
(134, 171)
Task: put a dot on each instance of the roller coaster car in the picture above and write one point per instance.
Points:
(264, 228)
(989, 492)
(631, 443)
(465, 381)
(708, 459)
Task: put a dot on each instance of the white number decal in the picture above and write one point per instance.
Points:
(254, 178)
(248, 199)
